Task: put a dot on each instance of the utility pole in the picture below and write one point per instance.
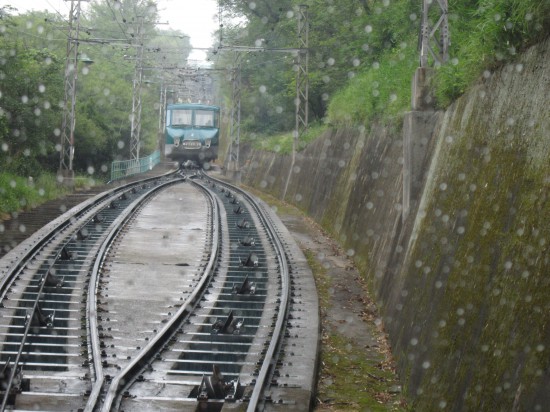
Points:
(66, 172)
(135, 118)
(419, 123)
(302, 91)
(232, 161)
(302, 73)
(162, 119)
(434, 39)
(302, 86)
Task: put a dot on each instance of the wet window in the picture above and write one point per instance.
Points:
(182, 117)
(205, 118)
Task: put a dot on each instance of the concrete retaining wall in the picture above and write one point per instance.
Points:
(463, 281)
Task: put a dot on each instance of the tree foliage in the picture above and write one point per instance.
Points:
(33, 48)
(363, 53)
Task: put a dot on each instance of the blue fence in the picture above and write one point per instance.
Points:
(125, 168)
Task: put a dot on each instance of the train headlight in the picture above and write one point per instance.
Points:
(207, 143)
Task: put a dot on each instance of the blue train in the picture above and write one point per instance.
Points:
(192, 132)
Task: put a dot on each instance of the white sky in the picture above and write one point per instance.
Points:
(193, 17)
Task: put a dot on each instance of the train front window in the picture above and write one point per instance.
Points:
(182, 117)
(205, 118)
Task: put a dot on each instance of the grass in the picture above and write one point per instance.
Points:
(484, 34)
(24, 193)
(282, 143)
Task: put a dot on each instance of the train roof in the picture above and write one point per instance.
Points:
(192, 106)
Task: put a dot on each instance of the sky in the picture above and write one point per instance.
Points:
(193, 17)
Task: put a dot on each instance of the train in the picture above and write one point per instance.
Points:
(192, 133)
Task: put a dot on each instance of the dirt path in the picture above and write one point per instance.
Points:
(356, 372)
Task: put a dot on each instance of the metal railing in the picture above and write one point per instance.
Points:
(125, 168)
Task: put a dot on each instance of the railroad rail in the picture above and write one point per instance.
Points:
(109, 309)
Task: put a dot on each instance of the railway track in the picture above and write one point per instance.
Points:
(176, 294)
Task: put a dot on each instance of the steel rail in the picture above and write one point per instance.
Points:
(130, 371)
(8, 280)
(92, 206)
(30, 316)
(62, 222)
(274, 345)
(91, 304)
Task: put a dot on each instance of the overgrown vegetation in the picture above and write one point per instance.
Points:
(32, 92)
(363, 54)
(282, 142)
(20, 193)
(484, 34)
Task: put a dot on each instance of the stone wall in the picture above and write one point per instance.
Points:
(463, 281)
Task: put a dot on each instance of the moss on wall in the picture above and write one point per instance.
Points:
(463, 283)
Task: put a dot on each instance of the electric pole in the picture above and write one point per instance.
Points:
(434, 40)
(302, 86)
(232, 161)
(135, 117)
(66, 172)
